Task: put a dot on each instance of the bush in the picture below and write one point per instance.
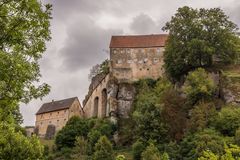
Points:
(16, 145)
(137, 148)
(103, 149)
(199, 86)
(120, 157)
(93, 137)
(151, 153)
(193, 145)
(227, 120)
(74, 127)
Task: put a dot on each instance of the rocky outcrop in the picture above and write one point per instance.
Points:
(121, 97)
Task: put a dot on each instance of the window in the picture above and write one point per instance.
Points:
(145, 60)
(50, 122)
(148, 69)
(58, 120)
(155, 60)
(129, 61)
(41, 123)
(50, 114)
(65, 111)
(119, 61)
(64, 119)
(58, 112)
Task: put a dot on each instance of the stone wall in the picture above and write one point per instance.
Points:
(132, 64)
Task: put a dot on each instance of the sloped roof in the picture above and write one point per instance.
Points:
(56, 105)
(138, 41)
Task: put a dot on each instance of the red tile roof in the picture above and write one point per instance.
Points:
(138, 41)
(56, 105)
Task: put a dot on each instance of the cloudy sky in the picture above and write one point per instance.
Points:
(81, 31)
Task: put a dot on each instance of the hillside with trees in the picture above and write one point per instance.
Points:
(191, 113)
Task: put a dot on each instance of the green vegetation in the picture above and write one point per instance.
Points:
(24, 29)
(197, 37)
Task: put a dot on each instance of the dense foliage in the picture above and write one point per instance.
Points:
(24, 30)
(198, 37)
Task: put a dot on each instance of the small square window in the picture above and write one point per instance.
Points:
(58, 112)
(119, 61)
(129, 61)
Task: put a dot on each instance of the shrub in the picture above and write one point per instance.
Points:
(103, 149)
(199, 86)
(151, 153)
(74, 127)
(120, 157)
(227, 120)
(137, 148)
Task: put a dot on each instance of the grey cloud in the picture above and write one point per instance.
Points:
(144, 24)
(85, 45)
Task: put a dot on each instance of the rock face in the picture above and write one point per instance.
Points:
(121, 96)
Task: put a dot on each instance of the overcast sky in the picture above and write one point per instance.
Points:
(81, 31)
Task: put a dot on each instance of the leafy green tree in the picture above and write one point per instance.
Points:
(232, 152)
(75, 127)
(80, 149)
(151, 153)
(201, 116)
(193, 145)
(24, 29)
(138, 147)
(147, 115)
(199, 86)
(93, 137)
(227, 120)
(14, 145)
(173, 149)
(197, 37)
(98, 69)
(103, 149)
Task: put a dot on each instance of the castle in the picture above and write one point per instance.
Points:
(131, 58)
(110, 95)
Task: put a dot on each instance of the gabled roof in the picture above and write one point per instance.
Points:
(138, 41)
(56, 105)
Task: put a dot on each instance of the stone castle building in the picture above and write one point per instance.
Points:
(53, 116)
(131, 58)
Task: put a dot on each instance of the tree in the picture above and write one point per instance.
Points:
(137, 148)
(193, 145)
(197, 37)
(15, 145)
(199, 86)
(80, 149)
(67, 135)
(201, 116)
(151, 153)
(227, 121)
(103, 149)
(148, 109)
(232, 152)
(24, 29)
(97, 69)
